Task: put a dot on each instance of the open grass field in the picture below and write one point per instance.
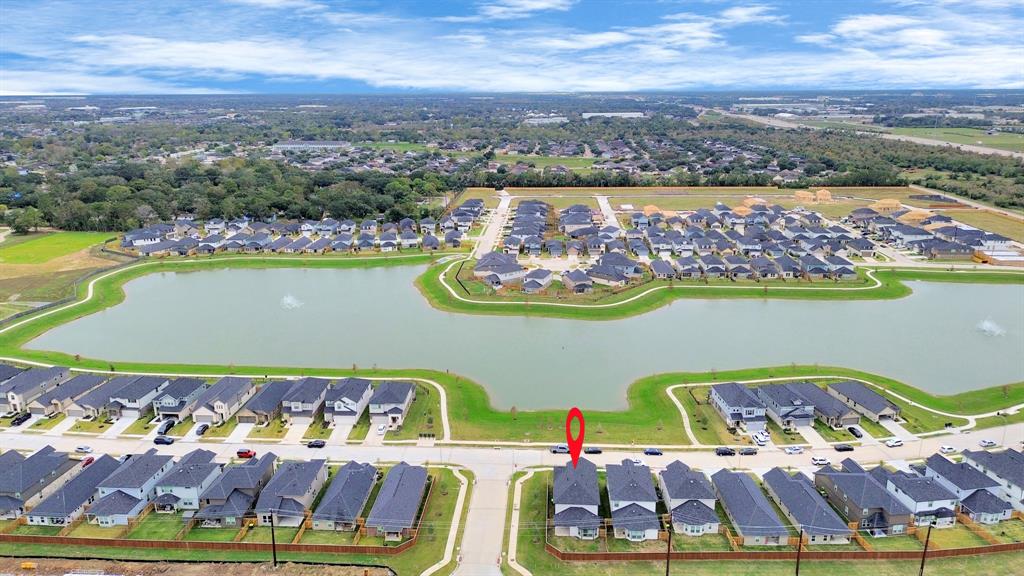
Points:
(560, 202)
(43, 247)
(1001, 140)
(1012, 228)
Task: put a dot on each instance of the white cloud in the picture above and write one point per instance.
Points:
(511, 9)
(869, 24)
(289, 4)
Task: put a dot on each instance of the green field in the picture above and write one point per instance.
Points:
(975, 136)
(40, 248)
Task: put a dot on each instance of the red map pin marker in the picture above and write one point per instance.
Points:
(575, 444)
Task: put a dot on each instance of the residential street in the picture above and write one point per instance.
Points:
(492, 229)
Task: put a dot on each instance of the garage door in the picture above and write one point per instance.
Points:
(76, 413)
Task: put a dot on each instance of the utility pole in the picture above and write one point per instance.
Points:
(924, 553)
(273, 540)
(799, 549)
(668, 551)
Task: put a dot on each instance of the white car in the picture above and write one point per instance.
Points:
(381, 429)
(820, 461)
(83, 450)
(946, 449)
(793, 450)
(637, 461)
(894, 442)
(987, 443)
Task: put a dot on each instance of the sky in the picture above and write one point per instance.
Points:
(401, 46)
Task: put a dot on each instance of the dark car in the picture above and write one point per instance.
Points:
(724, 451)
(843, 448)
(164, 440)
(592, 450)
(560, 449)
(20, 419)
(166, 426)
(855, 431)
(653, 452)
(316, 444)
(748, 451)
(202, 429)
(246, 453)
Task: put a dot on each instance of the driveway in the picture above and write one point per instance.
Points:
(867, 439)
(372, 438)
(897, 430)
(812, 436)
(117, 427)
(340, 433)
(295, 432)
(61, 427)
(239, 434)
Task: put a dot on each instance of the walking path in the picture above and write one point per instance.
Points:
(513, 528)
(453, 531)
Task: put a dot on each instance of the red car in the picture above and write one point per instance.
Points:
(246, 453)
(88, 461)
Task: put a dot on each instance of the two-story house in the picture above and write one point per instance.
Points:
(972, 487)
(862, 499)
(785, 406)
(178, 399)
(181, 488)
(18, 391)
(390, 403)
(291, 491)
(346, 400)
(67, 503)
(577, 500)
(805, 507)
(633, 502)
(926, 497)
(26, 481)
(303, 401)
(222, 400)
(690, 499)
(346, 497)
(738, 406)
(1006, 468)
(136, 398)
(231, 496)
(58, 399)
(394, 512)
(126, 492)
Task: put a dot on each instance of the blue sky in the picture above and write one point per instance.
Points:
(301, 46)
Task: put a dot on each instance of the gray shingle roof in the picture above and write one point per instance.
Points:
(804, 504)
(391, 392)
(960, 474)
(346, 496)
(863, 488)
(114, 503)
(30, 378)
(576, 486)
(576, 516)
(181, 387)
(864, 396)
(268, 398)
(19, 474)
(823, 402)
(984, 502)
(139, 388)
(399, 497)
(1008, 464)
(683, 483)
(136, 471)
(694, 513)
(737, 395)
(918, 488)
(100, 396)
(78, 490)
(227, 390)
(630, 482)
(292, 481)
(244, 476)
(71, 389)
(306, 390)
(7, 372)
(635, 517)
(191, 470)
(749, 508)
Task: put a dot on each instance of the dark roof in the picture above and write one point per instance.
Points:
(630, 482)
(7, 372)
(139, 388)
(576, 516)
(391, 392)
(984, 502)
(191, 470)
(399, 497)
(865, 490)
(226, 390)
(180, 388)
(694, 513)
(71, 389)
(346, 496)
(114, 503)
(19, 474)
(78, 490)
(306, 390)
(576, 486)
(635, 517)
(244, 476)
(863, 396)
(960, 474)
(291, 482)
(805, 505)
(822, 401)
(268, 398)
(683, 483)
(1008, 464)
(137, 470)
(737, 395)
(750, 510)
(29, 379)
(101, 395)
(236, 505)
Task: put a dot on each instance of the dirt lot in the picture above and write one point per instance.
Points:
(50, 567)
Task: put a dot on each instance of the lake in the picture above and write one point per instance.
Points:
(944, 338)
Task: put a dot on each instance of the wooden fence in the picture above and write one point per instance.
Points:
(65, 541)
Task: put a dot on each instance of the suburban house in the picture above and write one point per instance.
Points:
(830, 410)
(633, 501)
(179, 398)
(393, 515)
(926, 497)
(232, 495)
(95, 402)
(181, 488)
(7, 372)
(345, 402)
(785, 406)
(222, 400)
(67, 503)
(26, 481)
(291, 491)
(739, 406)
(862, 499)
(971, 486)
(864, 400)
(390, 403)
(265, 404)
(577, 281)
(689, 497)
(577, 499)
(126, 492)
(346, 497)
(1006, 468)
(58, 399)
(18, 391)
(134, 399)
(304, 400)
(749, 510)
(804, 506)
(499, 266)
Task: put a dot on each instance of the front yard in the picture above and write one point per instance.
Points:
(275, 430)
(222, 431)
(94, 426)
(48, 423)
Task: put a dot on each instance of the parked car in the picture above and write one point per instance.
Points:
(843, 448)
(560, 449)
(653, 452)
(638, 461)
(820, 461)
(382, 429)
(166, 426)
(202, 429)
(20, 419)
(946, 449)
(83, 449)
(748, 451)
(88, 460)
(761, 437)
(724, 451)
(987, 443)
(163, 440)
(592, 450)
(855, 431)
(894, 442)
(316, 444)
(793, 450)
(246, 453)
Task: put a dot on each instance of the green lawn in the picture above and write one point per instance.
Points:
(87, 530)
(48, 423)
(40, 248)
(222, 431)
(1008, 530)
(94, 426)
(424, 416)
(27, 530)
(275, 430)
(182, 428)
(142, 425)
(955, 537)
(262, 534)
(211, 534)
(895, 543)
(975, 136)
(362, 428)
(700, 543)
(157, 527)
(316, 430)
